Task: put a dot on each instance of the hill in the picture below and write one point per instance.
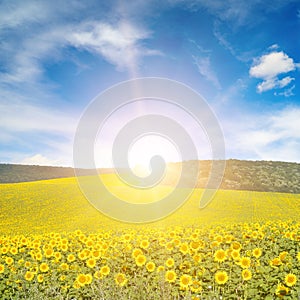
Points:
(268, 176)
(263, 176)
(14, 173)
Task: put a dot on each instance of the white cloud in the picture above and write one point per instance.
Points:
(16, 14)
(287, 123)
(25, 55)
(32, 32)
(30, 128)
(273, 83)
(36, 32)
(274, 47)
(40, 160)
(204, 67)
(24, 117)
(287, 92)
(119, 44)
(269, 66)
(269, 136)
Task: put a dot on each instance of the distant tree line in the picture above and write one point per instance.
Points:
(268, 176)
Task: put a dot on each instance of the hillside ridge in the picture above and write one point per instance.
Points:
(267, 176)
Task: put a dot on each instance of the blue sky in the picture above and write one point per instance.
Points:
(243, 57)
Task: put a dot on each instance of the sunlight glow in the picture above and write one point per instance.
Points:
(148, 146)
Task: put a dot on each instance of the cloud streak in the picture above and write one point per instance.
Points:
(204, 67)
(119, 44)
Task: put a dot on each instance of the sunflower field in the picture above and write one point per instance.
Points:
(55, 245)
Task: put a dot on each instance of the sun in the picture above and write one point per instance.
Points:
(144, 148)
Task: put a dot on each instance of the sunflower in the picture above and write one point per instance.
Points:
(89, 243)
(39, 256)
(9, 261)
(221, 277)
(4, 250)
(162, 242)
(290, 279)
(82, 255)
(298, 256)
(71, 257)
(176, 241)
(127, 237)
(185, 281)
(160, 269)
(184, 248)
(29, 276)
(228, 238)
(44, 267)
(57, 255)
(150, 266)
(78, 232)
(91, 263)
(196, 286)
(23, 241)
(13, 250)
(144, 244)
(62, 277)
(235, 254)
(64, 266)
(136, 252)
(170, 276)
(281, 290)
(214, 244)
(105, 270)
(246, 274)
(169, 262)
(172, 234)
(81, 279)
(96, 254)
(48, 252)
(89, 278)
(219, 238)
(76, 285)
(195, 245)
(2, 268)
(185, 267)
(220, 255)
(245, 262)
(257, 252)
(283, 255)
(64, 241)
(120, 279)
(98, 275)
(235, 246)
(275, 262)
(197, 258)
(127, 248)
(169, 246)
(40, 278)
(140, 260)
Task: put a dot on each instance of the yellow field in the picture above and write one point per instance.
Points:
(54, 244)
